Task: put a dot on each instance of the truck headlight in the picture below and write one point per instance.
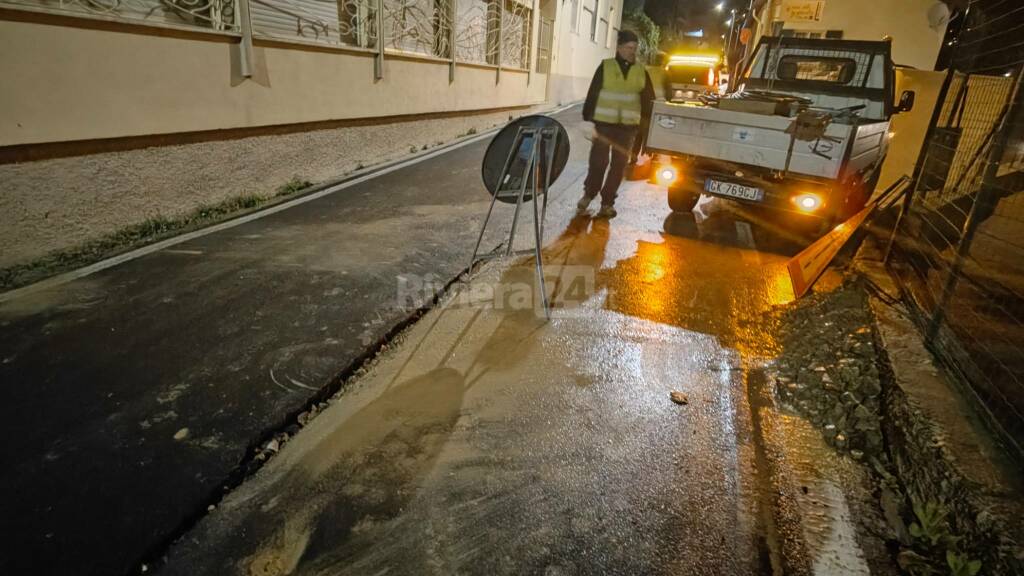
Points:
(667, 174)
(807, 202)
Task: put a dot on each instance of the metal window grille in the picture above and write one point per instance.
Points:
(494, 32)
(217, 15)
(471, 31)
(590, 10)
(861, 61)
(544, 46)
(959, 252)
(515, 35)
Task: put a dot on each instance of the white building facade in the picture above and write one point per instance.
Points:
(144, 91)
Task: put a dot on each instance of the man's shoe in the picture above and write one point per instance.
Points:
(584, 203)
(607, 212)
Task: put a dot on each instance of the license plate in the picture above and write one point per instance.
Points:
(734, 190)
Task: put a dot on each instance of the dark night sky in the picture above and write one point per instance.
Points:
(678, 16)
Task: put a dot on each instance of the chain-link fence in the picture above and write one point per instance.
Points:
(959, 252)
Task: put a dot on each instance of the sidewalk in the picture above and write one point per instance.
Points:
(486, 441)
(135, 393)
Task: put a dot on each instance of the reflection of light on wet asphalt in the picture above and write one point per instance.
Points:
(561, 434)
(828, 525)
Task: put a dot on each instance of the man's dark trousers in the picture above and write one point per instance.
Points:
(616, 139)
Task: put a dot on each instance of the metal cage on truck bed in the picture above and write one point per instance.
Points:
(869, 78)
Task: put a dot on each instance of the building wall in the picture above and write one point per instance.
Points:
(134, 120)
(56, 204)
(576, 55)
(909, 128)
(914, 43)
(64, 83)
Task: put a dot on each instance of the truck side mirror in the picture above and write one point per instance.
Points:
(906, 101)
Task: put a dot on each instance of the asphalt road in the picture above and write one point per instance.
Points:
(488, 441)
(133, 394)
(483, 441)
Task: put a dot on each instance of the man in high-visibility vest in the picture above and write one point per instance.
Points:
(618, 101)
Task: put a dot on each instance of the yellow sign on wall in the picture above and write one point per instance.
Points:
(801, 10)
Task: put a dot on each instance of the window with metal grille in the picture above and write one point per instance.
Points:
(817, 68)
(590, 13)
(544, 46)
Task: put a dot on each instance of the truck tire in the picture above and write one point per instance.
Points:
(681, 199)
(859, 195)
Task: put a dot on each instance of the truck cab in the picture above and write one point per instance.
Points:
(805, 133)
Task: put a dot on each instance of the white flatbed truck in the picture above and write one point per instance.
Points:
(808, 135)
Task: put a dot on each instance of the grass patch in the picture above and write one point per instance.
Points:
(140, 234)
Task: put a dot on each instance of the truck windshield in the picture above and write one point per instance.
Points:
(817, 69)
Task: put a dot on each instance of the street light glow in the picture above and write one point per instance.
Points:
(720, 6)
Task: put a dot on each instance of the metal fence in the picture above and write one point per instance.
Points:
(959, 251)
(492, 32)
(219, 15)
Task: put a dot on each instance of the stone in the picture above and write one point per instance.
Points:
(810, 379)
(873, 440)
(872, 386)
(679, 398)
(181, 434)
(843, 422)
(838, 412)
(840, 441)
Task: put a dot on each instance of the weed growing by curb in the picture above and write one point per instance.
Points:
(135, 235)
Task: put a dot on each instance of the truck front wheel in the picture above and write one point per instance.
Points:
(682, 199)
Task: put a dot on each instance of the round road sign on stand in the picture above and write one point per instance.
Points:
(500, 149)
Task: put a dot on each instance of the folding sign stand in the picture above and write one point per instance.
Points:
(520, 181)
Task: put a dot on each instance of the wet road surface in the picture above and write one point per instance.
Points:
(487, 441)
(132, 396)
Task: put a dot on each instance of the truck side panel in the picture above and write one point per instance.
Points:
(744, 138)
(868, 146)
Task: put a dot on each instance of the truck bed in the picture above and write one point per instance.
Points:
(761, 140)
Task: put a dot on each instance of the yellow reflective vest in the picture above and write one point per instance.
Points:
(619, 99)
